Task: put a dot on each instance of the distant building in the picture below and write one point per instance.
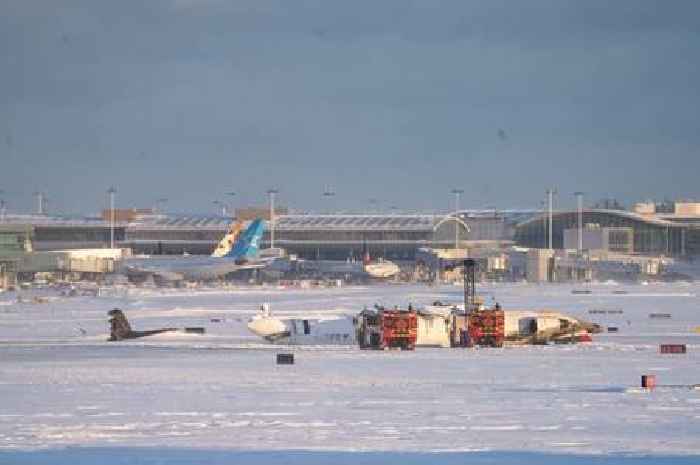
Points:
(687, 209)
(644, 208)
(250, 213)
(123, 215)
(660, 234)
(539, 265)
(310, 236)
(611, 239)
(15, 242)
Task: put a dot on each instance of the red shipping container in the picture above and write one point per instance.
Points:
(649, 381)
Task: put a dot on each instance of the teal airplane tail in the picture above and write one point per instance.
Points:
(248, 244)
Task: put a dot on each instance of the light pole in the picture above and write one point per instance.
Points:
(373, 205)
(2, 206)
(111, 191)
(271, 193)
(579, 218)
(457, 193)
(221, 205)
(232, 195)
(159, 202)
(543, 206)
(328, 194)
(40, 202)
(550, 194)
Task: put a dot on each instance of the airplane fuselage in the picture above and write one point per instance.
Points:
(184, 268)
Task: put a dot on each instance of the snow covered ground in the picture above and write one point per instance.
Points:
(68, 396)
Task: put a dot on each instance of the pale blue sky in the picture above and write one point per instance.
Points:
(395, 100)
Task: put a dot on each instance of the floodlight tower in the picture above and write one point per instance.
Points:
(159, 202)
(221, 205)
(40, 197)
(111, 191)
(373, 205)
(550, 200)
(271, 193)
(232, 195)
(328, 193)
(2, 206)
(579, 218)
(543, 208)
(457, 193)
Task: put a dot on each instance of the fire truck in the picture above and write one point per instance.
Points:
(384, 329)
(486, 328)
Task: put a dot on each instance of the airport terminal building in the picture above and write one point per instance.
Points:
(390, 236)
(309, 236)
(669, 235)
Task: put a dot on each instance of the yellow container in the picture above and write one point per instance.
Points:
(696, 329)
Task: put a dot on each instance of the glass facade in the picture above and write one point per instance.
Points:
(651, 236)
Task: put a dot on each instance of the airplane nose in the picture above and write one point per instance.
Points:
(255, 327)
(265, 327)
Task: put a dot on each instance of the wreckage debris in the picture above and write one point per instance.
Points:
(120, 329)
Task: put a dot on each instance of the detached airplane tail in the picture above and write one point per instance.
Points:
(247, 246)
(228, 240)
(119, 326)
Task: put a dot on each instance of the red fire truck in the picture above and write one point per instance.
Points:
(486, 328)
(383, 329)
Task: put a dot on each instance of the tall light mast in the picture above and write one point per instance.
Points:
(457, 193)
(579, 220)
(328, 193)
(550, 201)
(271, 193)
(111, 191)
(232, 195)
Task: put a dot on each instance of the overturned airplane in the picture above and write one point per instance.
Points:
(436, 326)
(463, 325)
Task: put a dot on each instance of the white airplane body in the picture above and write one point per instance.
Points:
(435, 325)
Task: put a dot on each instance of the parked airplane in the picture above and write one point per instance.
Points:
(367, 268)
(382, 269)
(379, 269)
(243, 255)
(228, 240)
